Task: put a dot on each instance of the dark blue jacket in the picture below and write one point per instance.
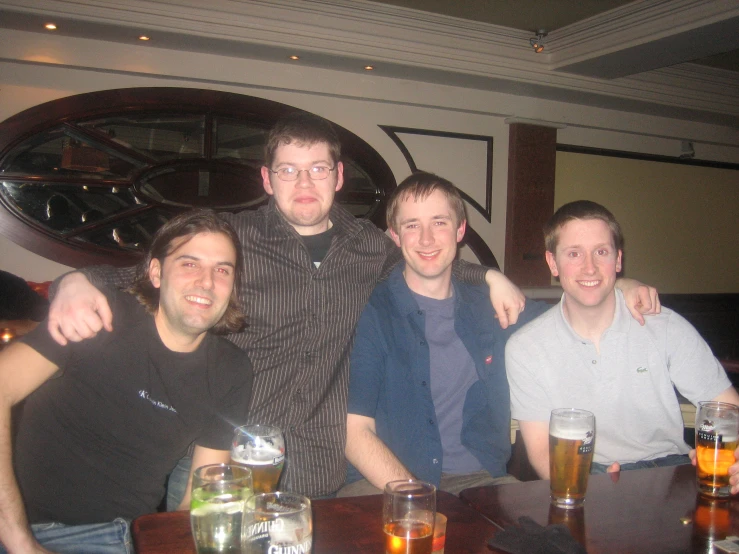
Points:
(390, 370)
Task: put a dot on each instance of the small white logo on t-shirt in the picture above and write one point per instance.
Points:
(157, 403)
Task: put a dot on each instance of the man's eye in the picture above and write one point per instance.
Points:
(286, 171)
(572, 254)
(319, 170)
(603, 252)
(224, 270)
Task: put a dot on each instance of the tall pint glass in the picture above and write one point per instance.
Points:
(261, 448)
(716, 431)
(571, 438)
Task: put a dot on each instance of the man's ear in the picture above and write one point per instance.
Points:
(618, 261)
(394, 236)
(155, 273)
(339, 176)
(265, 181)
(461, 230)
(552, 263)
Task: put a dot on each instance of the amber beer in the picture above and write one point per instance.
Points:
(408, 514)
(408, 537)
(266, 474)
(571, 441)
(262, 449)
(716, 432)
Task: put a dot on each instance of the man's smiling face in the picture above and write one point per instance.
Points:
(586, 262)
(427, 232)
(195, 282)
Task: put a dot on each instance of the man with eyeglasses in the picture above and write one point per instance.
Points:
(309, 268)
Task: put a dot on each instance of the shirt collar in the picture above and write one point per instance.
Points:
(621, 319)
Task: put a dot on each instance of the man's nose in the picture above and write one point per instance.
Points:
(205, 279)
(427, 236)
(588, 264)
(304, 179)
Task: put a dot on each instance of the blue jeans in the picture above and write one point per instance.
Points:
(95, 538)
(177, 483)
(671, 460)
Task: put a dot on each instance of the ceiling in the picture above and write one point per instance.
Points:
(532, 15)
(614, 54)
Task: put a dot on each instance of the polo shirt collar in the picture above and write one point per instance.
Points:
(621, 320)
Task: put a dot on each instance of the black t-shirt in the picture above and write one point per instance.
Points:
(98, 439)
(318, 245)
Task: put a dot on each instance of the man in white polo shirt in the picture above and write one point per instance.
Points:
(587, 352)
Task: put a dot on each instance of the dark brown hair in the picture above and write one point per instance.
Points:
(189, 224)
(419, 185)
(580, 209)
(303, 129)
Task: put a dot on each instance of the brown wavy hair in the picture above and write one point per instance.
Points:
(189, 224)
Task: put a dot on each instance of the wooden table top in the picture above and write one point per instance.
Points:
(649, 510)
(340, 525)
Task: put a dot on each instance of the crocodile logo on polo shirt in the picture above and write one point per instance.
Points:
(641, 369)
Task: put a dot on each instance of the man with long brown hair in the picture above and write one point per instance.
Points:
(106, 420)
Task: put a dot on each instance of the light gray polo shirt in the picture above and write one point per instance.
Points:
(628, 386)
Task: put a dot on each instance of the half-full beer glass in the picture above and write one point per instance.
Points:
(408, 515)
(716, 431)
(571, 438)
(262, 449)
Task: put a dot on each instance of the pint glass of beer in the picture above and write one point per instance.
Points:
(408, 514)
(571, 438)
(716, 431)
(262, 449)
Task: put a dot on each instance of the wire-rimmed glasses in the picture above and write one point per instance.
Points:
(316, 173)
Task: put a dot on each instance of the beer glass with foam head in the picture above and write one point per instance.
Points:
(716, 431)
(217, 504)
(408, 514)
(277, 522)
(571, 438)
(262, 449)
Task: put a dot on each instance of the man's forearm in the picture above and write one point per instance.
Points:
(99, 275)
(374, 459)
(15, 534)
(467, 272)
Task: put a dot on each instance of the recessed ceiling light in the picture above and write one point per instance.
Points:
(369, 67)
(144, 37)
(50, 27)
(294, 58)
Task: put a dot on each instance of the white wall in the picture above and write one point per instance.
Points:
(41, 67)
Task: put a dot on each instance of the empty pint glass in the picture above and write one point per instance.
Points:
(262, 449)
(716, 431)
(278, 523)
(571, 438)
(408, 514)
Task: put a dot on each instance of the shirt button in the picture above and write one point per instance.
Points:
(420, 312)
(423, 343)
(435, 461)
(431, 421)
(423, 383)
(292, 428)
(595, 362)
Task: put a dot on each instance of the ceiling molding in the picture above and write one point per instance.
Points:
(416, 45)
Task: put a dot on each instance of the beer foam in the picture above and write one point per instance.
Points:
(261, 456)
(574, 431)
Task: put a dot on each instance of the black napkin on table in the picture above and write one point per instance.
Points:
(528, 537)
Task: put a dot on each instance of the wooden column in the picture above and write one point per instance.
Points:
(532, 154)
